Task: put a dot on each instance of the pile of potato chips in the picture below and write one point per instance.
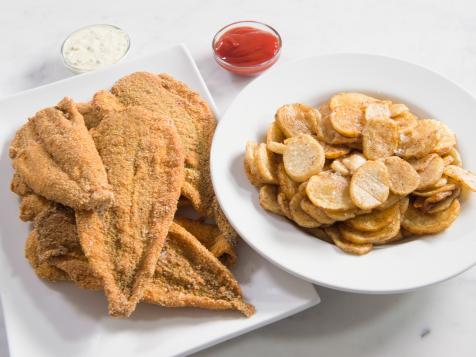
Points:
(359, 172)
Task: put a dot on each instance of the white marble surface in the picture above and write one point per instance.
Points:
(435, 321)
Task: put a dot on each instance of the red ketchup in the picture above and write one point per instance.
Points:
(247, 50)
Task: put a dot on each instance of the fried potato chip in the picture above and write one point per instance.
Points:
(441, 182)
(315, 212)
(369, 186)
(329, 190)
(456, 156)
(462, 176)
(340, 168)
(250, 166)
(334, 151)
(328, 134)
(375, 220)
(432, 172)
(432, 191)
(448, 159)
(302, 187)
(418, 222)
(377, 110)
(445, 203)
(268, 199)
(354, 161)
(347, 121)
(352, 99)
(380, 236)
(274, 134)
(284, 205)
(419, 140)
(297, 118)
(403, 205)
(286, 184)
(346, 246)
(391, 200)
(340, 215)
(277, 148)
(379, 138)
(299, 215)
(265, 164)
(447, 139)
(319, 233)
(405, 120)
(303, 157)
(398, 109)
(403, 177)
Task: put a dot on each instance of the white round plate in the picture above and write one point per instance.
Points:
(388, 269)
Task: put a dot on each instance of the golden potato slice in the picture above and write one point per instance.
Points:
(404, 179)
(340, 215)
(315, 212)
(347, 121)
(268, 199)
(274, 134)
(346, 246)
(445, 203)
(418, 141)
(398, 109)
(334, 151)
(375, 220)
(380, 236)
(448, 159)
(456, 156)
(328, 134)
(447, 139)
(354, 161)
(418, 222)
(432, 191)
(265, 164)
(298, 214)
(391, 200)
(319, 233)
(462, 176)
(403, 205)
(303, 157)
(405, 120)
(286, 184)
(369, 186)
(421, 163)
(432, 172)
(277, 148)
(329, 190)
(297, 118)
(377, 110)
(379, 138)
(440, 183)
(302, 187)
(284, 205)
(250, 165)
(352, 99)
(340, 168)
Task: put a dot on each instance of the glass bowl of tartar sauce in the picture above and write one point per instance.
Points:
(94, 46)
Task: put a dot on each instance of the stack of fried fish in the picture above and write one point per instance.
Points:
(102, 181)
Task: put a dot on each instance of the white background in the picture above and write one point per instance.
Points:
(441, 35)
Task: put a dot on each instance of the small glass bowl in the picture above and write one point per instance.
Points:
(78, 70)
(247, 70)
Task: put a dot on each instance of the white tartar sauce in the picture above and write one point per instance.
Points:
(95, 46)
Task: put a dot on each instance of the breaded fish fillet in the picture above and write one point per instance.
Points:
(56, 157)
(186, 274)
(193, 118)
(144, 160)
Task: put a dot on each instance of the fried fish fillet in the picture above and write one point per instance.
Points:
(186, 274)
(144, 160)
(211, 238)
(56, 157)
(193, 118)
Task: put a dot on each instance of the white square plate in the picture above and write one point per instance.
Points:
(44, 319)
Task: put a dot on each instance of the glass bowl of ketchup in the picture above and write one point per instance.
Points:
(247, 47)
